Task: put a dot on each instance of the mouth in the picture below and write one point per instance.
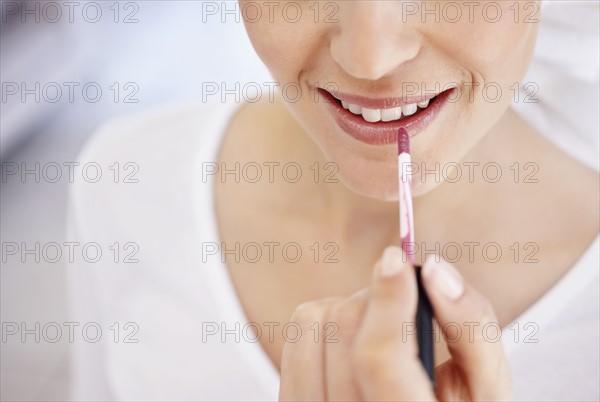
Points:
(376, 121)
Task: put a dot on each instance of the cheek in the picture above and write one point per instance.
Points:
(269, 51)
(497, 45)
(495, 51)
(285, 47)
(496, 56)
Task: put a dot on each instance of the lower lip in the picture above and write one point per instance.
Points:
(384, 133)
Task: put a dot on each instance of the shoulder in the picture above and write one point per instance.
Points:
(135, 167)
(158, 131)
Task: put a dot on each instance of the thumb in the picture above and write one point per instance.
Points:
(471, 331)
(385, 358)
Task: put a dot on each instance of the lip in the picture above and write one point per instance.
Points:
(383, 133)
(382, 103)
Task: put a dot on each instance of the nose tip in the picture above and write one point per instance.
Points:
(370, 42)
(371, 59)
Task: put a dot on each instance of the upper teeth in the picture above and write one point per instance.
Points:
(375, 115)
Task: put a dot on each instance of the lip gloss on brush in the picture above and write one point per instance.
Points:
(424, 318)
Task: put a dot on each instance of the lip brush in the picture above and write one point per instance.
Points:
(424, 318)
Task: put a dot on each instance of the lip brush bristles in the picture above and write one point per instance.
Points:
(405, 195)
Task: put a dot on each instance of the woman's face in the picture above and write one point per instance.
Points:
(386, 57)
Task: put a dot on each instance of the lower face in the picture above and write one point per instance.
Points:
(366, 75)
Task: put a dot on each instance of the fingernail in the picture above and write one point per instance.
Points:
(444, 277)
(392, 261)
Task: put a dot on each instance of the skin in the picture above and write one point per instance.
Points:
(368, 53)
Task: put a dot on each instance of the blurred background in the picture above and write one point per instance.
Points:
(66, 67)
(141, 55)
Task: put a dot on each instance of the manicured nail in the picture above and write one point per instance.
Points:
(392, 261)
(444, 277)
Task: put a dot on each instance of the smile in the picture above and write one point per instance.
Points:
(376, 121)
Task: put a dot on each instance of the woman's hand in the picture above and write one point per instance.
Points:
(373, 356)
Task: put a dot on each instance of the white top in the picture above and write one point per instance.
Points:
(172, 296)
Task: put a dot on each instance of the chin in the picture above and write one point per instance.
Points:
(379, 181)
(421, 188)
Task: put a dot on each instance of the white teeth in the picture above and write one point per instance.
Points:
(371, 115)
(409, 110)
(355, 108)
(391, 114)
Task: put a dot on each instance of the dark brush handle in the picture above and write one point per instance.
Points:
(424, 322)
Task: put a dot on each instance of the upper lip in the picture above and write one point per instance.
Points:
(382, 103)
